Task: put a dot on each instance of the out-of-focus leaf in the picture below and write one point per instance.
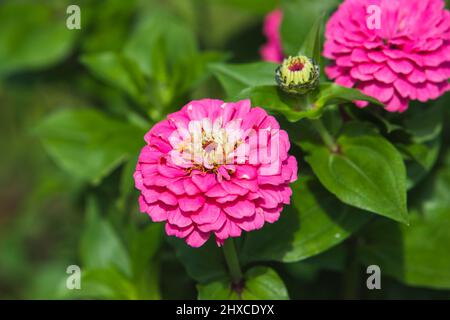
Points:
(100, 246)
(261, 283)
(416, 255)
(424, 123)
(103, 34)
(299, 17)
(258, 6)
(127, 184)
(367, 172)
(312, 46)
(204, 264)
(87, 143)
(116, 70)
(419, 159)
(106, 283)
(144, 245)
(237, 77)
(314, 222)
(156, 29)
(37, 39)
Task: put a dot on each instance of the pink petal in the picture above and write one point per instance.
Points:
(204, 181)
(214, 226)
(251, 223)
(216, 191)
(401, 66)
(208, 214)
(190, 187)
(191, 203)
(240, 209)
(269, 198)
(359, 55)
(197, 238)
(385, 75)
(178, 232)
(157, 212)
(178, 218)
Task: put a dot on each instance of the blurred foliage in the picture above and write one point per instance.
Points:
(75, 105)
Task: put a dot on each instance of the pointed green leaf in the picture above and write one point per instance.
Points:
(237, 77)
(100, 246)
(314, 222)
(299, 17)
(312, 46)
(416, 255)
(275, 101)
(88, 143)
(367, 172)
(332, 93)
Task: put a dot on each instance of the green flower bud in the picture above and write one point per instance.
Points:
(298, 75)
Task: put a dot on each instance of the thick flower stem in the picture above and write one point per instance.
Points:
(232, 260)
(326, 137)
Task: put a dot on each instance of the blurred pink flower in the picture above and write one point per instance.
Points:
(272, 51)
(202, 173)
(407, 58)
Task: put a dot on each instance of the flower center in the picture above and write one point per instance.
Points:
(296, 70)
(296, 66)
(207, 146)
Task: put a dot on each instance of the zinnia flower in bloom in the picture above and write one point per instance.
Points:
(272, 51)
(406, 58)
(215, 168)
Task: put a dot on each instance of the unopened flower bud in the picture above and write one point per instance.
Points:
(297, 75)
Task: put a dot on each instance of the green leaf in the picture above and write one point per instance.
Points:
(331, 93)
(105, 283)
(420, 158)
(416, 255)
(312, 46)
(261, 283)
(217, 290)
(38, 39)
(256, 6)
(204, 264)
(314, 222)
(144, 245)
(299, 17)
(367, 172)
(158, 32)
(295, 108)
(116, 70)
(100, 246)
(237, 77)
(274, 100)
(87, 143)
(424, 122)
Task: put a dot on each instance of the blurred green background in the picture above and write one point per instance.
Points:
(74, 203)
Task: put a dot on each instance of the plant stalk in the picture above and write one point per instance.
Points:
(326, 137)
(229, 251)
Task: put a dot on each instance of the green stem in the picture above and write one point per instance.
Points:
(232, 260)
(351, 275)
(326, 137)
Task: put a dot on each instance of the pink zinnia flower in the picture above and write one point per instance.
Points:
(272, 51)
(204, 171)
(407, 58)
